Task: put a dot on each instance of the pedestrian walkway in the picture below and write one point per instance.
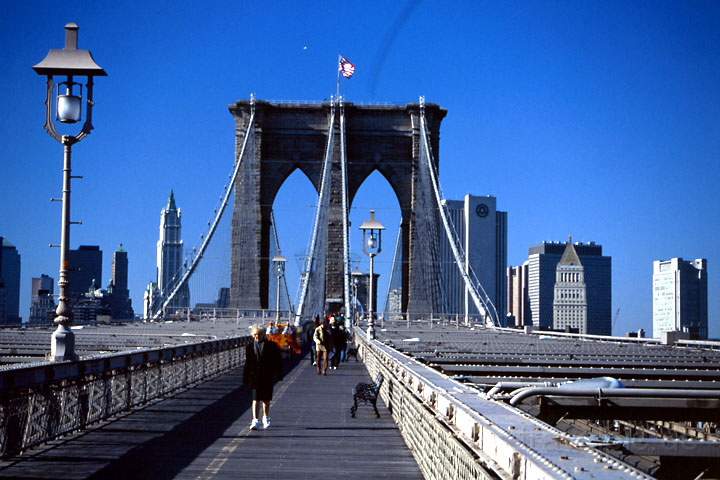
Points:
(203, 433)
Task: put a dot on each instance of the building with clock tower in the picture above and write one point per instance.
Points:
(482, 229)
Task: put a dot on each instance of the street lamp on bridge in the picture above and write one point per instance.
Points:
(279, 262)
(372, 245)
(70, 63)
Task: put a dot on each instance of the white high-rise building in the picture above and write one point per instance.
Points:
(170, 254)
(570, 293)
(482, 229)
(680, 297)
(518, 300)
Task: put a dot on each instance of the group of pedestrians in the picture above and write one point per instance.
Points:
(329, 347)
(263, 361)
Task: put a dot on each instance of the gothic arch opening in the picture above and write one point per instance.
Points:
(294, 211)
(284, 136)
(375, 193)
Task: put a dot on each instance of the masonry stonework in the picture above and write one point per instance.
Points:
(294, 136)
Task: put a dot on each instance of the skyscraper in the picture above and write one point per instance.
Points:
(542, 271)
(118, 294)
(43, 282)
(518, 302)
(119, 279)
(680, 300)
(569, 300)
(85, 270)
(361, 290)
(42, 306)
(482, 231)
(170, 254)
(9, 283)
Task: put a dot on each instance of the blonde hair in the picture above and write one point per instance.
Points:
(257, 329)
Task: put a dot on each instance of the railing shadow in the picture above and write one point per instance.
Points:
(187, 440)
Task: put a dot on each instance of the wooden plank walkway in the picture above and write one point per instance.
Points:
(203, 433)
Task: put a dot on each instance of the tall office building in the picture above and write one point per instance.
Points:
(119, 279)
(9, 283)
(518, 302)
(482, 230)
(118, 293)
(92, 307)
(42, 303)
(542, 271)
(569, 300)
(170, 254)
(85, 270)
(43, 282)
(360, 284)
(223, 300)
(680, 301)
(42, 309)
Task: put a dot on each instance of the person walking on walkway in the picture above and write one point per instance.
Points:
(344, 343)
(338, 341)
(263, 367)
(311, 340)
(323, 343)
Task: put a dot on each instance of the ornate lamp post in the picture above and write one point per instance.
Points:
(279, 262)
(372, 245)
(70, 63)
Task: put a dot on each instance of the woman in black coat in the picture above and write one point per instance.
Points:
(263, 366)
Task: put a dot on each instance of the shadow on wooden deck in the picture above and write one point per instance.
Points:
(203, 433)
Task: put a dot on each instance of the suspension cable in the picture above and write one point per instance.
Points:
(275, 238)
(397, 257)
(305, 277)
(484, 306)
(345, 209)
(218, 215)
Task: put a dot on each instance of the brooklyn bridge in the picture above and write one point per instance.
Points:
(458, 395)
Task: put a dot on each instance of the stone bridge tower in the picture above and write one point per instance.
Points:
(289, 136)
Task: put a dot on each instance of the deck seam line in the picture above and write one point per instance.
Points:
(222, 457)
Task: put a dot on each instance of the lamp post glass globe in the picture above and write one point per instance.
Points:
(69, 106)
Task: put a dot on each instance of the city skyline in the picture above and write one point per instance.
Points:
(599, 121)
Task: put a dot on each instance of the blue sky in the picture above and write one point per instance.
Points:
(596, 119)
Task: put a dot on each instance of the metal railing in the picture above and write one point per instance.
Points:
(46, 401)
(454, 433)
(409, 321)
(186, 314)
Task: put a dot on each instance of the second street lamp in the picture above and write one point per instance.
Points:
(69, 62)
(279, 262)
(372, 245)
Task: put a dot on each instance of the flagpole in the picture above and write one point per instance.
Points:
(337, 81)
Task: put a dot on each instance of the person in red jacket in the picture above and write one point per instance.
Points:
(263, 366)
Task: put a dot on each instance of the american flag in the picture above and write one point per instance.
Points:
(346, 68)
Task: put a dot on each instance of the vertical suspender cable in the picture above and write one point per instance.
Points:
(397, 257)
(276, 240)
(226, 198)
(313, 240)
(346, 212)
(480, 304)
